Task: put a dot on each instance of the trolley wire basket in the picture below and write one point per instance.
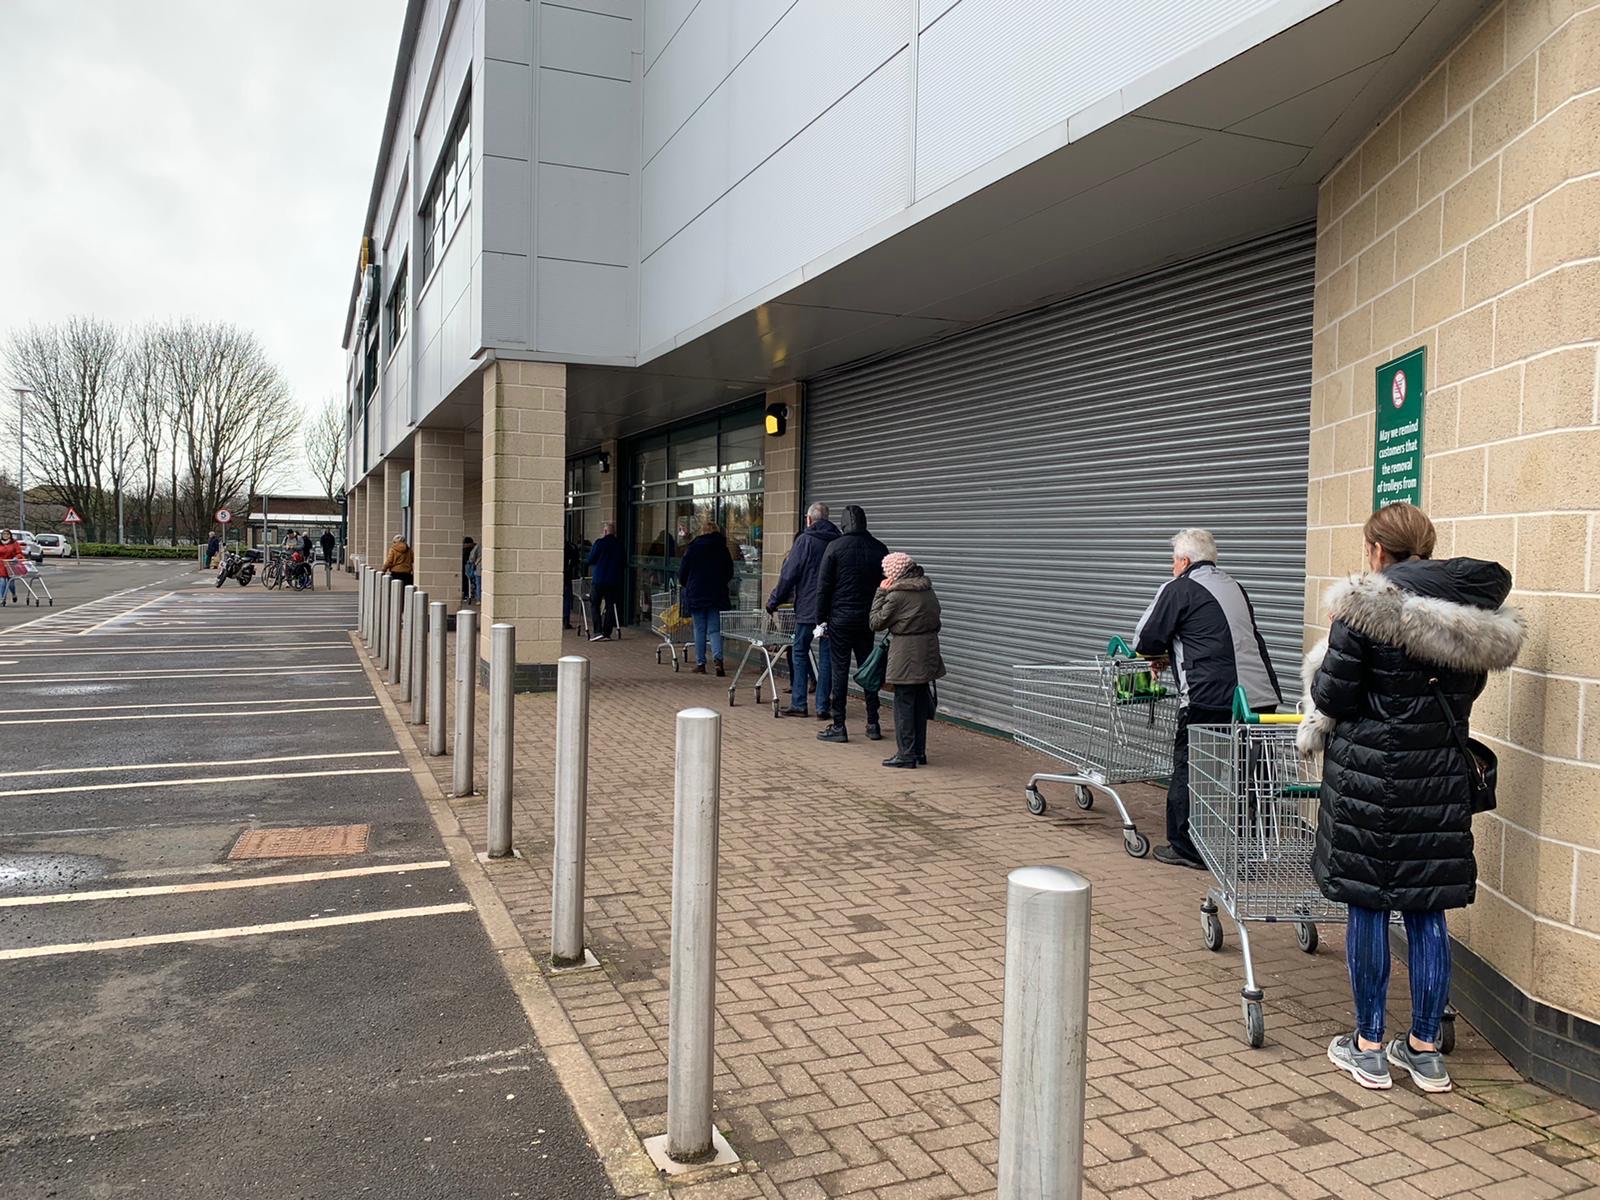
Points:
(767, 634)
(673, 626)
(26, 583)
(1112, 718)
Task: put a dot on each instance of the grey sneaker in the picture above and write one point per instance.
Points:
(1426, 1066)
(1366, 1066)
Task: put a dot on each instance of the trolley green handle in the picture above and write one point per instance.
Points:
(1117, 647)
(1243, 715)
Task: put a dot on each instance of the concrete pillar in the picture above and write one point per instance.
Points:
(371, 514)
(785, 507)
(436, 514)
(352, 519)
(524, 496)
(393, 518)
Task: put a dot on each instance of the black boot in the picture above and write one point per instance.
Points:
(833, 733)
(874, 734)
(897, 761)
(720, 672)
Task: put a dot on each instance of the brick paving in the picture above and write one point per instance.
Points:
(861, 918)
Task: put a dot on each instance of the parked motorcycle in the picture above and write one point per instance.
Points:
(234, 567)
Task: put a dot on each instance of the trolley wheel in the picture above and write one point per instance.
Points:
(758, 695)
(658, 656)
(1036, 803)
(732, 700)
(1447, 1032)
(1135, 843)
(1306, 934)
(1085, 799)
(1255, 1024)
(777, 709)
(1211, 929)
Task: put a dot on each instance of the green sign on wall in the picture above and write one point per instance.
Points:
(1397, 457)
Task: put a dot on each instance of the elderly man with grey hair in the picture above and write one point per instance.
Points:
(1203, 622)
(798, 582)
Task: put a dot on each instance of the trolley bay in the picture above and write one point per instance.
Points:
(236, 959)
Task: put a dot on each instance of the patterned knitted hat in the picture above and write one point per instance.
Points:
(896, 565)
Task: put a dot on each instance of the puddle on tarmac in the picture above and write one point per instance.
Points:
(82, 689)
(42, 874)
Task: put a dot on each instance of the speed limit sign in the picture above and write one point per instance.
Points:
(224, 516)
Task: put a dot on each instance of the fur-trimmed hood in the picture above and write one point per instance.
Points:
(1446, 613)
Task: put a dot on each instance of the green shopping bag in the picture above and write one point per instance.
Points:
(871, 672)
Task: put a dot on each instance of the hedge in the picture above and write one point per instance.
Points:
(112, 550)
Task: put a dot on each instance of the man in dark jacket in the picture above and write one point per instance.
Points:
(704, 575)
(605, 576)
(852, 569)
(798, 580)
(1203, 621)
(571, 570)
(328, 543)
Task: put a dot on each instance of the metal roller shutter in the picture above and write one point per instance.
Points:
(1037, 467)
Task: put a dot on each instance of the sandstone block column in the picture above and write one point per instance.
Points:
(371, 529)
(524, 498)
(393, 517)
(352, 522)
(436, 513)
(785, 508)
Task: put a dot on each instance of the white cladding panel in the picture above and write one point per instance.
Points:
(508, 31)
(662, 20)
(588, 42)
(586, 215)
(845, 172)
(816, 55)
(993, 73)
(586, 122)
(583, 307)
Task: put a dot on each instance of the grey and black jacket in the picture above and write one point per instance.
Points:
(1203, 619)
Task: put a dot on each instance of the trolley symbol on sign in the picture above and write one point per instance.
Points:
(1110, 717)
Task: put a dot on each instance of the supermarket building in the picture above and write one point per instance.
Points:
(1035, 285)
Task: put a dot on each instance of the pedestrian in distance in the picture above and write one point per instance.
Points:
(467, 545)
(605, 578)
(852, 569)
(213, 544)
(1388, 702)
(11, 565)
(703, 578)
(1202, 622)
(571, 572)
(906, 609)
(802, 569)
(329, 545)
(399, 562)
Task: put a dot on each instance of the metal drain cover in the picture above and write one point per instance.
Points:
(303, 841)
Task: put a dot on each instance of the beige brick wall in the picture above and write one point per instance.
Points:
(393, 518)
(1468, 222)
(524, 504)
(784, 506)
(438, 502)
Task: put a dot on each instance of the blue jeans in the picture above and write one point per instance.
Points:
(707, 621)
(1367, 956)
(804, 635)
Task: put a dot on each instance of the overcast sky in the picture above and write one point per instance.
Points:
(204, 158)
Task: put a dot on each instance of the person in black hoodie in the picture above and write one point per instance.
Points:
(704, 577)
(852, 569)
(802, 570)
(1407, 654)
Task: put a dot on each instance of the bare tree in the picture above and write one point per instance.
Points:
(236, 424)
(146, 403)
(325, 446)
(74, 414)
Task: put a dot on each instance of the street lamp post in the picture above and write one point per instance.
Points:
(22, 464)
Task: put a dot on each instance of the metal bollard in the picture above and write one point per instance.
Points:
(372, 608)
(502, 660)
(363, 588)
(408, 619)
(418, 658)
(438, 617)
(382, 611)
(690, 1026)
(1044, 1035)
(572, 801)
(391, 637)
(466, 701)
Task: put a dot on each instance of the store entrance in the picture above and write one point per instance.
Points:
(681, 479)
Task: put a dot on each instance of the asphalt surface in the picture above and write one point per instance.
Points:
(371, 1048)
(72, 582)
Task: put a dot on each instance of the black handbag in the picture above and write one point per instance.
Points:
(1483, 766)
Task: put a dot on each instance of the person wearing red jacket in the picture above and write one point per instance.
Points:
(12, 563)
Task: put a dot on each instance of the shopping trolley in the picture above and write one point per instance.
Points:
(30, 584)
(770, 634)
(672, 625)
(1110, 717)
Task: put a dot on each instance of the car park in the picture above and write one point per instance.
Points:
(51, 545)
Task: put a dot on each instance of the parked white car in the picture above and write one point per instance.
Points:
(52, 545)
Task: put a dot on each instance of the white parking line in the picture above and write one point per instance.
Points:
(220, 762)
(150, 783)
(235, 931)
(6, 712)
(300, 671)
(221, 885)
(275, 712)
(235, 648)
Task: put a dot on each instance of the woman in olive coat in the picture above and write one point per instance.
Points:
(1407, 654)
(905, 607)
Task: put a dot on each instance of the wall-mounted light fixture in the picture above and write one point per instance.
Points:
(777, 419)
(605, 464)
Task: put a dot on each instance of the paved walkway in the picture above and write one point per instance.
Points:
(861, 919)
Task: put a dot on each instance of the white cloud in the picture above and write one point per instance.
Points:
(205, 158)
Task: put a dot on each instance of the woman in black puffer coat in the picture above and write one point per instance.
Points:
(1394, 828)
